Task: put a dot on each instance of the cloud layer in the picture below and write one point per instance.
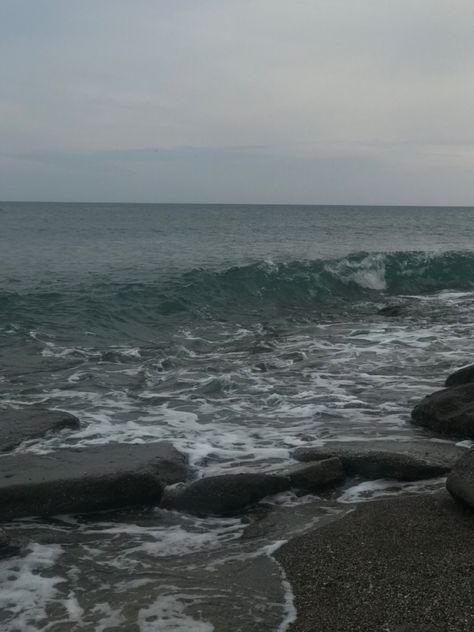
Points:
(311, 101)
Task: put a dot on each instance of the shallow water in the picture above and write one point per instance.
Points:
(237, 333)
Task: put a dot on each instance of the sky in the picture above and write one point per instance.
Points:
(244, 101)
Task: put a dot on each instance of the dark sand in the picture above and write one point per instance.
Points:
(401, 565)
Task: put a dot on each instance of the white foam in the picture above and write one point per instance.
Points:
(26, 590)
(384, 488)
(167, 614)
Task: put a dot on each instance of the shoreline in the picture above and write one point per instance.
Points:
(399, 565)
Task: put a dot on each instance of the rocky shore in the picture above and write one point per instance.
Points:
(400, 565)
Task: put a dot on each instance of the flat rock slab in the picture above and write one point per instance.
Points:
(224, 495)
(405, 564)
(460, 482)
(449, 411)
(17, 426)
(403, 461)
(87, 479)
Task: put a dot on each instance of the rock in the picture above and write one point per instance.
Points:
(314, 475)
(449, 411)
(230, 494)
(87, 479)
(8, 545)
(223, 495)
(460, 482)
(461, 376)
(404, 461)
(17, 426)
(391, 310)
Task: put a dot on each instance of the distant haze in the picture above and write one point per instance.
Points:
(291, 101)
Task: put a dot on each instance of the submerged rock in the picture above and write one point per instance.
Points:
(17, 426)
(449, 411)
(391, 310)
(87, 479)
(404, 461)
(224, 495)
(460, 482)
(461, 376)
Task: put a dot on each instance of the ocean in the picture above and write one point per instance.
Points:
(238, 333)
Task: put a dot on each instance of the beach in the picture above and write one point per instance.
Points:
(147, 346)
(399, 565)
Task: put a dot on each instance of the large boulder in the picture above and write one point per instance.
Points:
(87, 479)
(449, 411)
(21, 425)
(461, 376)
(460, 482)
(224, 495)
(404, 461)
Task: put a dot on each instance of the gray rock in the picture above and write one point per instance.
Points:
(449, 411)
(87, 479)
(313, 475)
(8, 545)
(224, 495)
(461, 376)
(460, 482)
(17, 426)
(404, 461)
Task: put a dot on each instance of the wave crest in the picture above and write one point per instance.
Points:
(261, 288)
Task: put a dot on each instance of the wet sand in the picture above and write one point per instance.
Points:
(399, 565)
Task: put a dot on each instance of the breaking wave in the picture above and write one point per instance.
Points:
(260, 288)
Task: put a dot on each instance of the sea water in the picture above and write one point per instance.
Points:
(238, 333)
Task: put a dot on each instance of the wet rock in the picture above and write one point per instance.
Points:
(391, 310)
(314, 475)
(8, 545)
(460, 482)
(404, 461)
(87, 479)
(17, 426)
(449, 411)
(461, 376)
(224, 495)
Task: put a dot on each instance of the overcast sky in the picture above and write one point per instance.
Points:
(287, 101)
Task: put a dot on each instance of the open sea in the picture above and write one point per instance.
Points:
(238, 333)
